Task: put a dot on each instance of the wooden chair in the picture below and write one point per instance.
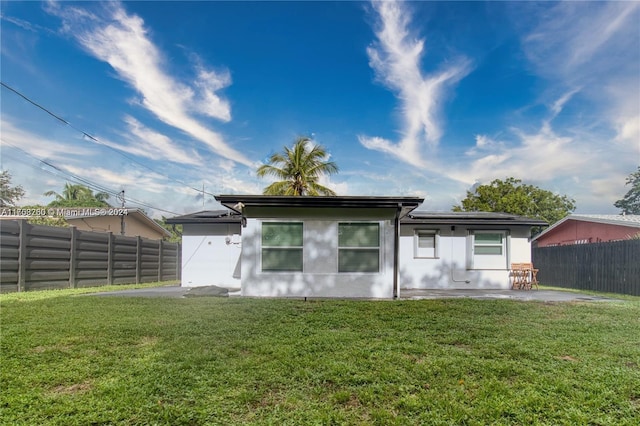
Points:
(524, 276)
(518, 276)
(534, 276)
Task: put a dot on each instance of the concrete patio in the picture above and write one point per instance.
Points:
(414, 294)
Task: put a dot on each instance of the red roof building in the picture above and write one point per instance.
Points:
(586, 229)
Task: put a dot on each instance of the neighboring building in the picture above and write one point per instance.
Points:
(113, 219)
(591, 228)
(347, 246)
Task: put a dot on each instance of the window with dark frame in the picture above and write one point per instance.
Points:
(282, 246)
(359, 247)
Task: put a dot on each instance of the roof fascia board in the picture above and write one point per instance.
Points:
(470, 222)
(237, 202)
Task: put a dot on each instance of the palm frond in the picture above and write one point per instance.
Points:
(298, 169)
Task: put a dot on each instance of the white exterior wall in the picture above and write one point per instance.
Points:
(454, 265)
(320, 277)
(207, 259)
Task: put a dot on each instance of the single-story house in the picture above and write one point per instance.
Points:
(132, 221)
(589, 228)
(347, 246)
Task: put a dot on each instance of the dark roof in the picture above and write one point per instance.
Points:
(207, 216)
(470, 218)
(415, 217)
(237, 202)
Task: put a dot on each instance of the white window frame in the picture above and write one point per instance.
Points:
(424, 253)
(378, 247)
(263, 247)
(490, 261)
(501, 245)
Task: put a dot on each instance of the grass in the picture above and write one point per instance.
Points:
(48, 294)
(77, 360)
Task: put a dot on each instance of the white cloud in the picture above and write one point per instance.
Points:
(340, 188)
(558, 105)
(624, 112)
(151, 182)
(629, 130)
(610, 188)
(396, 58)
(594, 46)
(41, 147)
(26, 25)
(209, 103)
(484, 143)
(541, 156)
(230, 184)
(572, 37)
(148, 143)
(122, 41)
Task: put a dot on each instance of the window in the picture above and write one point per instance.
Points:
(425, 244)
(490, 249)
(488, 243)
(281, 246)
(358, 247)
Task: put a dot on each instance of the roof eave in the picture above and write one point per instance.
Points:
(205, 216)
(238, 202)
(451, 221)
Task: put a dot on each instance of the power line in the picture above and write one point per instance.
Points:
(78, 179)
(92, 185)
(97, 141)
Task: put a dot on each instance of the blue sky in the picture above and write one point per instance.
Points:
(417, 98)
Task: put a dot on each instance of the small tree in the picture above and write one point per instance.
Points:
(9, 195)
(630, 203)
(298, 169)
(176, 230)
(514, 197)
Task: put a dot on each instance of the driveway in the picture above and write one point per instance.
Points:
(414, 294)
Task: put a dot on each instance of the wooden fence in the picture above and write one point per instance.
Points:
(610, 267)
(36, 257)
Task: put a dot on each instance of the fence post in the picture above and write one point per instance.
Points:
(23, 236)
(110, 256)
(73, 234)
(138, 259)
(178, 261)
(160, 256)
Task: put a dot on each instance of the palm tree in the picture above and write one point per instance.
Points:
(77, 196)
(298, 169)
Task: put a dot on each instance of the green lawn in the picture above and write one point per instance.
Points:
(75, 359)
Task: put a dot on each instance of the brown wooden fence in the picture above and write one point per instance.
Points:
(36, 257)
(610, 267)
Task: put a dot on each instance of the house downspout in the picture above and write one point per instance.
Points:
(396, 253)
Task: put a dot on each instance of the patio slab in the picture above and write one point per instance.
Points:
(525, 295)
(411, 294)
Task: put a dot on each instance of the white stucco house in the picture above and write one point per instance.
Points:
(347, 246)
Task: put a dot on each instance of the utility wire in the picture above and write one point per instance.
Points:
(78, 179)
(94, 139)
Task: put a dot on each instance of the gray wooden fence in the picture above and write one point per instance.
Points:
(36, 257)
(610, 267)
